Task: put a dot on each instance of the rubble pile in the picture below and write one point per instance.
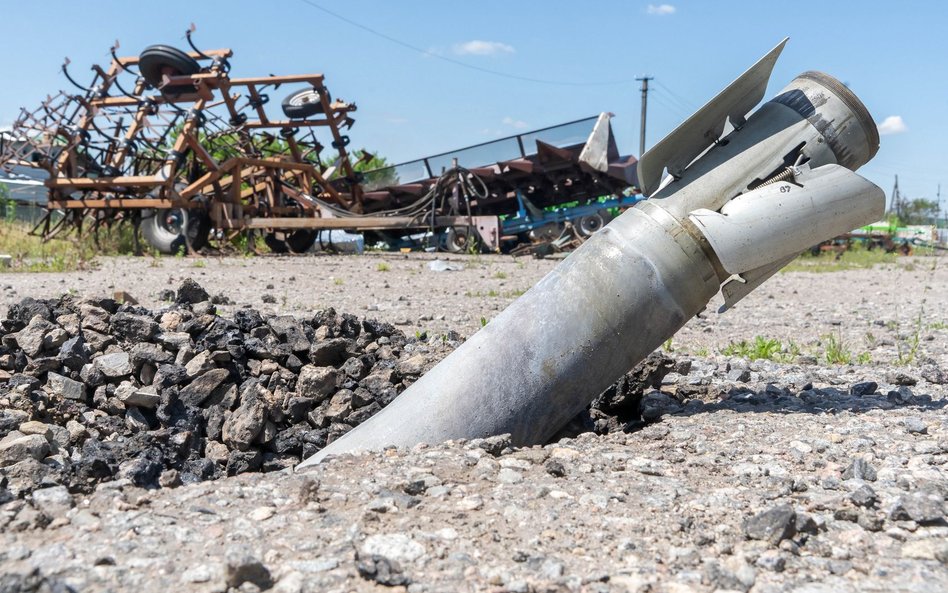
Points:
(92, 391)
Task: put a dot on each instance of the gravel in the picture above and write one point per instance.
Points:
(686, 475)
(179, 395)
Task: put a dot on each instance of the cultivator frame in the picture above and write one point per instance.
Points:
(113, 153)
(171, 142)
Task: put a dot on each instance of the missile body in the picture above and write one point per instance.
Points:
(734, 209)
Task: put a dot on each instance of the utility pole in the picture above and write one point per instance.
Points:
(644, 80)
(896, 208)
(938, 206)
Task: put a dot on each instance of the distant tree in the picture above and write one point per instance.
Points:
(7, 205)
(376, 170)
(371, 164)
(918, 211)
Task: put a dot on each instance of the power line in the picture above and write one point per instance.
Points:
(688, 105)
(431, 54)
(883, 169)
(670, 105)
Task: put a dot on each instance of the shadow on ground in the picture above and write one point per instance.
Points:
(637, 410)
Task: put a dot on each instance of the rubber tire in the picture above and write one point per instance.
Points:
(304, 103)
(299, 241)
(457, 239)
(166, 240)
(155, 57)
(590, 224)
(548, 232)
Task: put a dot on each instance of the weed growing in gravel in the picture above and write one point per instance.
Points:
(338, 281)
(382, 267)
(938, 325)
(507, 294)
(245, 244)
(56, 264)
(829, 261)
(907, 349)
(763, 348)
(864, 358)
(199, 264)
(740, 349)
(668, 346)
(791, 351)
(835, 349)
(475, 260)
(500, 275)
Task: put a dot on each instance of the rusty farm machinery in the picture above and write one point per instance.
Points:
(170, 142)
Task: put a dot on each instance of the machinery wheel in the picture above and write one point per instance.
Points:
(165, 229)
(303, 104)
(299, 241)
(157, 60)
(588, 225)
(549, 232)
(457, 239)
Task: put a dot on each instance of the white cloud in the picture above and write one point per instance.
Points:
(477, 47)
(513, 123)
(892, 125)
(661, 9)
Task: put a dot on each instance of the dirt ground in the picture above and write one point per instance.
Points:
(802, 479)
(866, 309)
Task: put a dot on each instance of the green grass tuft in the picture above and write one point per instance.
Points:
(835, 349)
(762, 348)
(828, 261)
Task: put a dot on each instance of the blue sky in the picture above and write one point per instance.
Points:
(892, 55)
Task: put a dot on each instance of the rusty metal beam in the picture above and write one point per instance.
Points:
(214, 53)
(360, 222)
(105, 182)
(115, 203)
(166, 132)
(257, 80)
